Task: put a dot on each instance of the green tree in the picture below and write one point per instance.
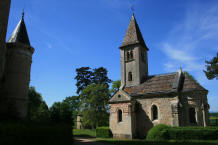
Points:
(42, 113)
(94, 105)
(73, 102)
(66, 112)
(85, 76)
(212, 68)
(99, 76)
(55, 112)
(115, 86)
(61, 112)
(37, 108)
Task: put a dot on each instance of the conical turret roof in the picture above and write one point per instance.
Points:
(20, 33)
(133, 34)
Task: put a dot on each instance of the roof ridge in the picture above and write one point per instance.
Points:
(162, 74)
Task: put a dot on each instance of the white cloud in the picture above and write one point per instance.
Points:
(192, 39)
(176, 54)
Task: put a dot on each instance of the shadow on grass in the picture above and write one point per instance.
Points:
(143, 142)
(84, 136)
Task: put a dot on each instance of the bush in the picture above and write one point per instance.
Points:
(103, 132)
(34, 134)
(163, 132)
(190, 133)
(84, 132)
(158, 133)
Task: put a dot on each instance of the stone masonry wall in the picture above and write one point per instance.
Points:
(17, 78)
(144, 115)
(124, 129)
(4, 13)
(197, 100)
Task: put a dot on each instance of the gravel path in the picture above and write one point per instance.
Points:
(87, 141)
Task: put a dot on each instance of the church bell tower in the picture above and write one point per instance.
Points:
(134, 60)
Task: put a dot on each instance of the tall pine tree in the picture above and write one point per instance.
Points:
(212, 68)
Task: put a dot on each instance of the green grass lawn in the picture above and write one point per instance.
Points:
(143, 142)
(84, 132)
(213, 117)
(92, 133)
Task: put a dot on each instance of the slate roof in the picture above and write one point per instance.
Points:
(133, 34)
(20, 33)
(158, 84)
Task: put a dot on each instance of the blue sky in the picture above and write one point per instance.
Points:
(69, 34)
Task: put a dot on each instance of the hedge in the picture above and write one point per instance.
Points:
(188, 133)
(35, 134)
(161, 132)
(103, 132)
(158, 133)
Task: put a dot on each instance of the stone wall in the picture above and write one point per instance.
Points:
(137, 66)
(198, 101)
(144, 114)
(126, 128)
(79, 122)
(17, 77)
(4, 13)
(173, 110)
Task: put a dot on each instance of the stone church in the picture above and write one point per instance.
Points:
(144, 100)
(15, 65)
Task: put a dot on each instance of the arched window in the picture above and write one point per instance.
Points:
(154, 112)
(192, 117)
(131, 54)
(130, 76)
(128, 56)
(120, 115)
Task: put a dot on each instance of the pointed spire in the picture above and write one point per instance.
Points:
(133, 34)
(20, 33)
(23, 14)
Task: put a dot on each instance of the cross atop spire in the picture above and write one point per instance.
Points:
(23, 14)
(133, 34)
(20, 33)
(132, 8)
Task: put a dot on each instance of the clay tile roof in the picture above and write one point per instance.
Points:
(20, 33)
(133, 34)
(190, 84)
(162, 84)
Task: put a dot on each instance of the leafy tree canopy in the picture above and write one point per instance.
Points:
(61, 112)
(100, 76)
(86, 76)
(115, 86)
(83, 78)
(37, 108)
(73, 102)
(94, 104)
(212, 68)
